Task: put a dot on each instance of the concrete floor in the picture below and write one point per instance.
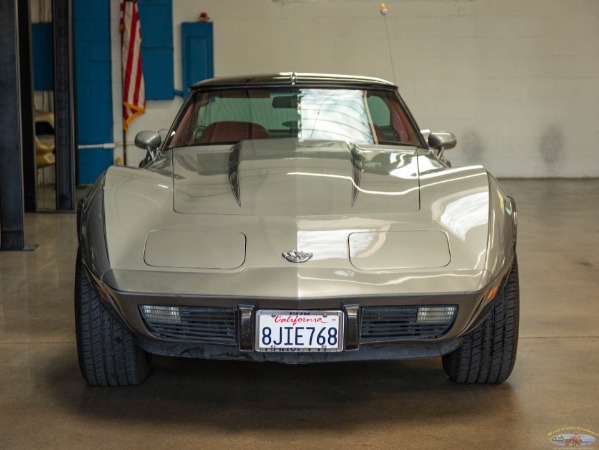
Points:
(44, 402)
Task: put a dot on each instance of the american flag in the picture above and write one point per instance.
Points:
(134, 93)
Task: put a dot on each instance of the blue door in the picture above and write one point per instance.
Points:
(198, 53)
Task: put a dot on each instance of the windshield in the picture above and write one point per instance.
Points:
(352, 115)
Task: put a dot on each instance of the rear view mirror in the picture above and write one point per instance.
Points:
(285, 102)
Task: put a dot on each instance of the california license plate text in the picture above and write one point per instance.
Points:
(299, 331)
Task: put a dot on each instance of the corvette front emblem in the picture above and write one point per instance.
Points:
(296, 256)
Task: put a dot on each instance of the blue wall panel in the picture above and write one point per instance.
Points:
(42, 49)
(94, 86)
(91, 160)
(94, 74)
(198, 53)
(156, 17)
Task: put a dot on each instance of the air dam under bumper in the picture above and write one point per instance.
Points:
(380, 352)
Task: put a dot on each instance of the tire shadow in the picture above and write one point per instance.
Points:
(234, 395)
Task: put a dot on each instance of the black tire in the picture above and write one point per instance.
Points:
(488, 353)
(108, 353)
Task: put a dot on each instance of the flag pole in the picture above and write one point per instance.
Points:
(124, 148)
(134, 96)
(121, 30)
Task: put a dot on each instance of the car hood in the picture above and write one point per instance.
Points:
(287, 177)
(221, 221)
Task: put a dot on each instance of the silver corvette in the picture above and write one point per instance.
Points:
(296, 218)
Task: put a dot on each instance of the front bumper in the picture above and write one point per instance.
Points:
(239, 340)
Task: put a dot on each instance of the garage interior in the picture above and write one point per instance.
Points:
(518, 84)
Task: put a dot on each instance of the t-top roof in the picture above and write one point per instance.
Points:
(293, 79)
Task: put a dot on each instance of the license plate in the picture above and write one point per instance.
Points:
(299, 331)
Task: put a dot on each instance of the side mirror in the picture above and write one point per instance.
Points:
(425, 134)
(441, 140)
(149, 141)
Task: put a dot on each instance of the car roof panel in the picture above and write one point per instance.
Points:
(293, 79)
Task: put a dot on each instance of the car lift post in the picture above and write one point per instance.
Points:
(11, 169)
(64, 104)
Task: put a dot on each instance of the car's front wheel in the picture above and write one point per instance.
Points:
(108, 353)
(488, 353)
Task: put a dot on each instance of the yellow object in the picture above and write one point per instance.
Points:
(44, 139)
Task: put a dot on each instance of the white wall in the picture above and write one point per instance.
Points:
(516, 80)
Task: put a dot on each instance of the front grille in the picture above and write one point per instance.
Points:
(208, 325)
(381, 323)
